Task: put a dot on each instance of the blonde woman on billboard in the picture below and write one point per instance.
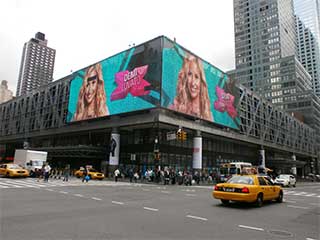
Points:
(192, 92)
(92, 96)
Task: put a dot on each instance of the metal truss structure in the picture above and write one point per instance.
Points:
(47, 108)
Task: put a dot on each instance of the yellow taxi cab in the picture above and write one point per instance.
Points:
(93, 174)
(13, 170)
(248, 188)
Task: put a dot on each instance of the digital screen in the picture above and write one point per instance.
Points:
(194, 87)
(126, 82)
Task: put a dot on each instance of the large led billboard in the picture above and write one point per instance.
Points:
(194, 87)
(126, 82)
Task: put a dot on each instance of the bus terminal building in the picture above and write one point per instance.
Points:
(127, 110)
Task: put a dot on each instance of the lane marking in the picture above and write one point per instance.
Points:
(98, 199)
(165, 192)
(119, 203)
(298, 207)
(300, 193)
(196, 217)
(287, 201)
(190, 195)
(309, 195)
(151, 209)
(63, 192)
(146, 190)
(314, 204)
(78, 195)
(188, 190)
(310, 239)
(252, 228)
(3, 186)
(50, 190)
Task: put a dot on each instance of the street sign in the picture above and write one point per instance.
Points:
(171, 136)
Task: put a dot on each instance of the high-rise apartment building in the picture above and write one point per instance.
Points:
(308, 53)
(5, 93)
(37, 64)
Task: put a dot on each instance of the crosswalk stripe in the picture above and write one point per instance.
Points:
(10, 185)
(25, 184)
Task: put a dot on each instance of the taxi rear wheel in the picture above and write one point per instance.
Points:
(259, 200)
(280, 197)
(225, 202)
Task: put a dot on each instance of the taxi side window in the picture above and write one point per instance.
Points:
(262, 181)
(268, 181)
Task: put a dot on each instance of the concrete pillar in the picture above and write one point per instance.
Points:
(197, 152)
(114, 147)
(294, 168)
(262, 158)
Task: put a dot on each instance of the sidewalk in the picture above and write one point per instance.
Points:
(201, 184)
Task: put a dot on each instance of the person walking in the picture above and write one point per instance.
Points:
(66, 173)
(85, 176)
(130, 173)
(47, 170)
(116, 175)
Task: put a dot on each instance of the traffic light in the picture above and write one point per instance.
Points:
(184, 136)
(179, 134)
(157, 156)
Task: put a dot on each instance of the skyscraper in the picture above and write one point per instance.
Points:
(308, 53)
(265, 48)
(267, 57)
(309, 13)
(37, 64)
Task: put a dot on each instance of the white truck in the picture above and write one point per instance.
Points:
(30, 159)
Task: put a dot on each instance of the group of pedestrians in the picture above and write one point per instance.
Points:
(44, 172)
(165, 176)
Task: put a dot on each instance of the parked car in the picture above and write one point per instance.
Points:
(286, 180)
(93, 174)
(13, 170)
(248, 188)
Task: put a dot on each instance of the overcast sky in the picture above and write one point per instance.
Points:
(87, 31)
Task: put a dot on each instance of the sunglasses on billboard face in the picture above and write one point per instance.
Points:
(95, 77)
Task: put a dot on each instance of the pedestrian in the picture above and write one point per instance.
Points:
(116, 175)
(66, 173)
(136, 176)
(130, 173)
(85, 173)
(47, 170)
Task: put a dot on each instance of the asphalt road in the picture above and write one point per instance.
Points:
(105, 210)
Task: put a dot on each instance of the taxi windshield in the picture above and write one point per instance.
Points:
(241, 180)
(14, 166)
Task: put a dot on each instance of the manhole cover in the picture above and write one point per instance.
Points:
(281, 233)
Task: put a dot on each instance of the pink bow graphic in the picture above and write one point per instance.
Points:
(225, 102)
(130, 82)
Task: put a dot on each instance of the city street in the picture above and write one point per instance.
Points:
(107, 210)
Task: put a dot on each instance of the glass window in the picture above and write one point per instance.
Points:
(262, 182)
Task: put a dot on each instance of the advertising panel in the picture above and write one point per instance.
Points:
(126, 82)
(194, 87)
